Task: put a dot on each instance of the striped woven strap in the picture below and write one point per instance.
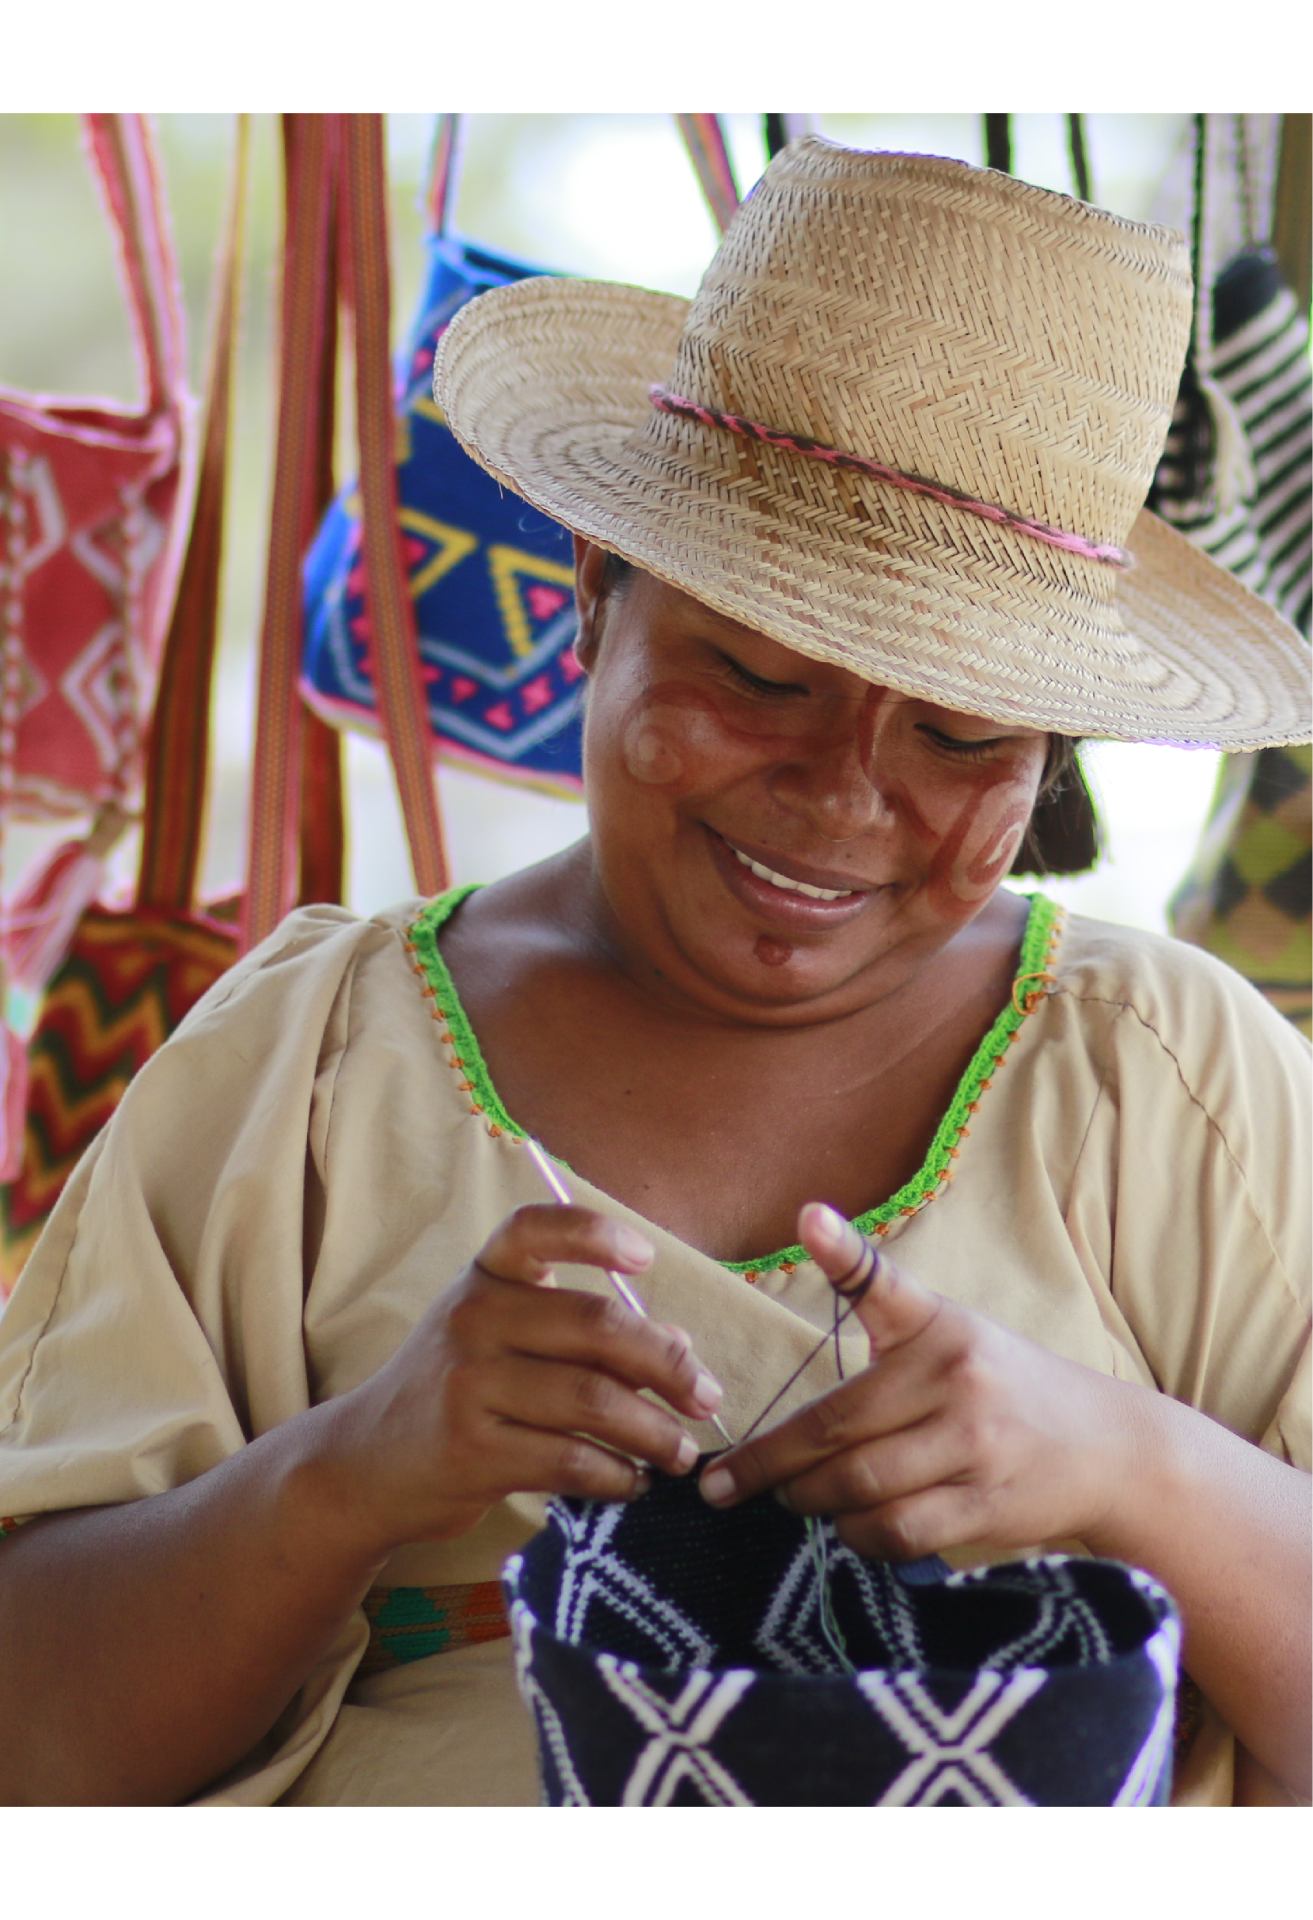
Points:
(309, 142)
(401, 697)
(411, 1623)
(444, 169)
(704, 136)
(177, 761)
(123, 155)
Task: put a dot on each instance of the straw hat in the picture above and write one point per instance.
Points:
(966, 382)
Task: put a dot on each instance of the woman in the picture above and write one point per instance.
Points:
(307, 1335)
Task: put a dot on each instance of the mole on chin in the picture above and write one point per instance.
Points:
(772, 953)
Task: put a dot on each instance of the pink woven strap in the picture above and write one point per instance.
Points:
(123, 155)
(666, 402)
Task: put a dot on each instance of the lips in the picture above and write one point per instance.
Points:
(783, 904)
(790, 869)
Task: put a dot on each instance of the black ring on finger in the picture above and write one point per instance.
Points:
(860, 1277)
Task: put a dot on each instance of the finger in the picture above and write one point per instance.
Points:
(533, 1460)
(878, 1471)
(595, 1330)
(567, 1399)
(530, 1241)
(847, 1417)
(892, 1307)
(934, 1521)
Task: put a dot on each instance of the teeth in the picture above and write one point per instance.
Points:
(791, 886)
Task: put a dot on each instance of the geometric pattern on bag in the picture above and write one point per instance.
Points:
(1236, 478)
(491, 579)
(1260, 526)
(123, 988)
(1247, 897)
(671, 1655)
(88, 494)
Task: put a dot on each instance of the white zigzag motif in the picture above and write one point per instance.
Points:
(1164, 1650)
(789, 1633)
(551, 1734)
(949, 1749)
(679, 1729)
(593, 1572)
(888, 1603)
(783, 1635)
(1051, 1624)
(90, 688)
(47, 512)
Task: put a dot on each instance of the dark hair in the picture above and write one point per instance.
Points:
(616, 573)
(1063, 835)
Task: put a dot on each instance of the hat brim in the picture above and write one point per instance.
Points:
(546, 384)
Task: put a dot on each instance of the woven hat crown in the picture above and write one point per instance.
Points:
(906, 427)
(1013, 343)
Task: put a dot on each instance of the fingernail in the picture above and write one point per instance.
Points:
(688, 1452)
(633, 1249)
(717, 1486)
(828, 1226)
(707, 1391)
(642, 1484)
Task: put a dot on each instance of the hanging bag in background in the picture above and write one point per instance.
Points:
(88, 494)
(490, 579)
(1235, 479)
(88, 499)
(132, 974)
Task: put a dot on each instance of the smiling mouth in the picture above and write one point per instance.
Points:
(791, 886)
(790, 883)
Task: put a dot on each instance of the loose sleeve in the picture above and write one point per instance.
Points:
(157, 1327)
(1211, 1251)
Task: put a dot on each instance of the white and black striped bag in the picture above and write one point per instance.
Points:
(1237, 470)
(1236, 476)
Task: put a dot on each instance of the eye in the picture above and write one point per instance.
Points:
(754, 681)
(962, 749)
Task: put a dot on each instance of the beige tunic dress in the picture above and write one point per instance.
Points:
(317, 1152)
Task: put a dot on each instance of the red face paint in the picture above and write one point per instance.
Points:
(772, 953)
(981, 844)
(676, 735)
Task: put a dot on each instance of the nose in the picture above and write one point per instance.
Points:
(836, 788)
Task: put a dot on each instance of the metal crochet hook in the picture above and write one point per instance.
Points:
(622, 1286)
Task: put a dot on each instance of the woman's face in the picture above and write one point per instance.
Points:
(774, 836)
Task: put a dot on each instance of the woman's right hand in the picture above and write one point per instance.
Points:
(512, 1384)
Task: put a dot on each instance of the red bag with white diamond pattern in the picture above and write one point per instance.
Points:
(88, 554)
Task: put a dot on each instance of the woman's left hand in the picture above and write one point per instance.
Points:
(957, 1431)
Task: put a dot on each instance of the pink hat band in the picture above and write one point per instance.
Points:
(666, 402)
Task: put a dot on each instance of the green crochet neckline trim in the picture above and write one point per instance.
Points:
(1041, 924)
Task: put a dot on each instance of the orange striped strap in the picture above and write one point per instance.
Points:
(412, 1623)
(177, 759)
(704, 136)
(307, 303)
(402, 704)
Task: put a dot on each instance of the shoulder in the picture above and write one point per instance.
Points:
(1197, 1008)
(1203, 1072)
(311, 959)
